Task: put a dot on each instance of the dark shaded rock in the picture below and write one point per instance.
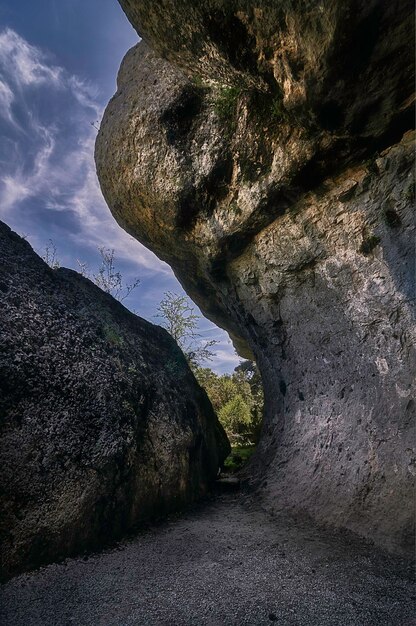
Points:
(345, 66)
(284, 203)
(102, 423)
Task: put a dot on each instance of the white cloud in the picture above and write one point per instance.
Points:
(6, 100)
(50, 159)
(227, 356)
(225, 360)
(14, 191)
(86, 94)
(63, 178)
(19, 186)
(26, 64)
(23, 65)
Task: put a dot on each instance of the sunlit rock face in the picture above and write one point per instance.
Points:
(102, 423)
(265, 152)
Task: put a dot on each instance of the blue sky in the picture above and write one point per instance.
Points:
(58, 65)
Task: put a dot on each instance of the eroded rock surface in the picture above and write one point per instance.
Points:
(277, 182)
(102, 423)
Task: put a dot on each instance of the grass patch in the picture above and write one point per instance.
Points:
(225, 106)
(238, 458)
(198, 82)
(278, 112)
(268, 109)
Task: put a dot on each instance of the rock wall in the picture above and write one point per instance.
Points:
(102, 423)
(265, 152)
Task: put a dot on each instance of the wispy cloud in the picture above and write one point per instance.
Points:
(53, 158)
(85, 93)
(18, 185)
(48, 180)
(227, 357)
(26, 64)
(6, 100)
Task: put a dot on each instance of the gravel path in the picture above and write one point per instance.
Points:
(224, 563)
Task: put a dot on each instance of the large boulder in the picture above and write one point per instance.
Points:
(342, 65)
(265, 151)
(102, 423)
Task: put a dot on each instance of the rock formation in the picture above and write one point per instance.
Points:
(264, 150)
(102, 423)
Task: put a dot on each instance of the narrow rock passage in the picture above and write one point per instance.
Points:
(224, 563)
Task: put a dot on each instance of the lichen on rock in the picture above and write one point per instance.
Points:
(265, 152)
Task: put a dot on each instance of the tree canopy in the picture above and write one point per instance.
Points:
(238, 397)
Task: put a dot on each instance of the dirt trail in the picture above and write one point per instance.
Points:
(224, 563)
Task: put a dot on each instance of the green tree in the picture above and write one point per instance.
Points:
(210, 381)
(249, 371)
(222, 390)
(238, 397)
(181, 322)
(235, 416)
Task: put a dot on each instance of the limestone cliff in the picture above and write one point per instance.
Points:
(264, 150)
(102, 423)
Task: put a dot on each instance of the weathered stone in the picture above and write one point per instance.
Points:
(102, 423)
(289, 220)
(341, 64)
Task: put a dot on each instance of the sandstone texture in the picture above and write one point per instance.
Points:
(265, 151)
(102, 423)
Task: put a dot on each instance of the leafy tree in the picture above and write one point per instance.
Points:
(244, 383)
(250, 373)
(220, 389)
(210, 381)
(181, 322)
(235, 415)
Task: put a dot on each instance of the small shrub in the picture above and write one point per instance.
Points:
(111, 335)
(108, 278)
(239, 456)
(181, 323)
(225, 105)
(50, 256)
(268, 109)
(198, 82)
(278, 111)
